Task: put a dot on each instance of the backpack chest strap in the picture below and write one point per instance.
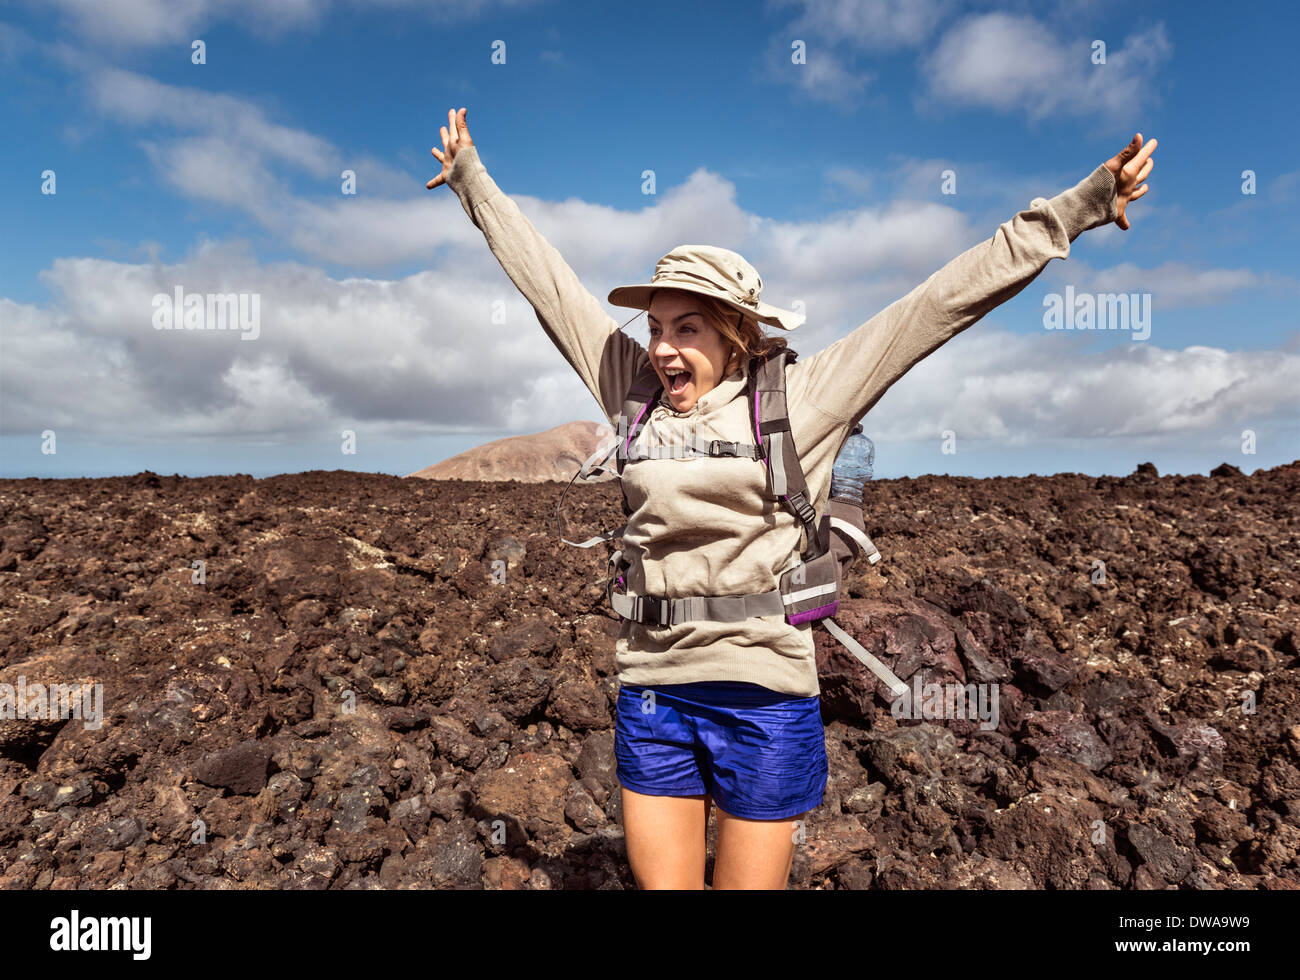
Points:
(696, 446)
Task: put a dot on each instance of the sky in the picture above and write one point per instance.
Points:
(847, 149)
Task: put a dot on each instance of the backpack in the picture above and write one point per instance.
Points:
(810, 591)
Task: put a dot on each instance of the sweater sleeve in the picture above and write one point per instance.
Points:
(605, 357)
(847, 378)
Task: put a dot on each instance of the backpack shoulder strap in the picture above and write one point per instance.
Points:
(644, 390)
(770, 416)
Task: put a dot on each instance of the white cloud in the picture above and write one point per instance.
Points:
(146, 23)
(869, 24)
(990, 384)
(822, 76)
(202, 168)
(287, 180)
(1018, 63)
(422, 353)
(420, 350)
(1010, 60)
(240, 124)
(152, 22)
(1172, 285)
(831, 30)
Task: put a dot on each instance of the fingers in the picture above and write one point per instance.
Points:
(1146, 151)
(1138, 193)
(453, 134)
(456, 130)
(1135, 162)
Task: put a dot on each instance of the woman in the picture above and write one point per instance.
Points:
(726, 712)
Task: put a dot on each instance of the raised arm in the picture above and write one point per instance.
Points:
(604, 356)
(848, 377)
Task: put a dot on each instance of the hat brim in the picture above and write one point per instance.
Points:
(637, 297)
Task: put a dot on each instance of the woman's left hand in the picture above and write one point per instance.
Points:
(1130, 167)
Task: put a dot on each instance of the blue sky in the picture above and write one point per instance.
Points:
(225, 177)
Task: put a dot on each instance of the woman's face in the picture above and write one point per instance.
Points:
(681, 338)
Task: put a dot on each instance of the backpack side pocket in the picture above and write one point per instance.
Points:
(811, 590)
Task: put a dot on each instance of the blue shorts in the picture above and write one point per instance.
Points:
(759, 753)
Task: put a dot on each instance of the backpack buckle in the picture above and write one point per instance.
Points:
(719, 448)
(656, 608)
(804, 509)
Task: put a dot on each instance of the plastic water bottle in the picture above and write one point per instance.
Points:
(853, 467)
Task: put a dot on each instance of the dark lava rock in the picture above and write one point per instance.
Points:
(406, 719)
(521, 687)
(1043, 664)
(597, 761)
(522, 641)
(1196, 747)
(355, 806)
(1069, 736)
(1165, 858)
(1220, 571)
(917, 749)
(353, 700)
(241, 768)
(578, 705)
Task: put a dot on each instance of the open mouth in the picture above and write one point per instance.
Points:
(678, 382)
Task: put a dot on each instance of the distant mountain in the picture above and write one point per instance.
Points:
(555, 454)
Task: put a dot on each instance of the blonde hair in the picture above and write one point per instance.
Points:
(740, 330)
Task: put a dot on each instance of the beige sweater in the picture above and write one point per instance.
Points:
(708, 526)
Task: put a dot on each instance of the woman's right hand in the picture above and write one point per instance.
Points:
(455, 137)
(1130, 167)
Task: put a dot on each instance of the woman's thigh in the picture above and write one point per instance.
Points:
(665, 839)
(754, 853)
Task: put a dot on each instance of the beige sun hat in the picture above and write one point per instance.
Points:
(709, 271)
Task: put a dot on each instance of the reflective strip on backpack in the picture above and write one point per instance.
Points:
(863, 542)
(803, 595)
(874, 665)
(777, 461)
